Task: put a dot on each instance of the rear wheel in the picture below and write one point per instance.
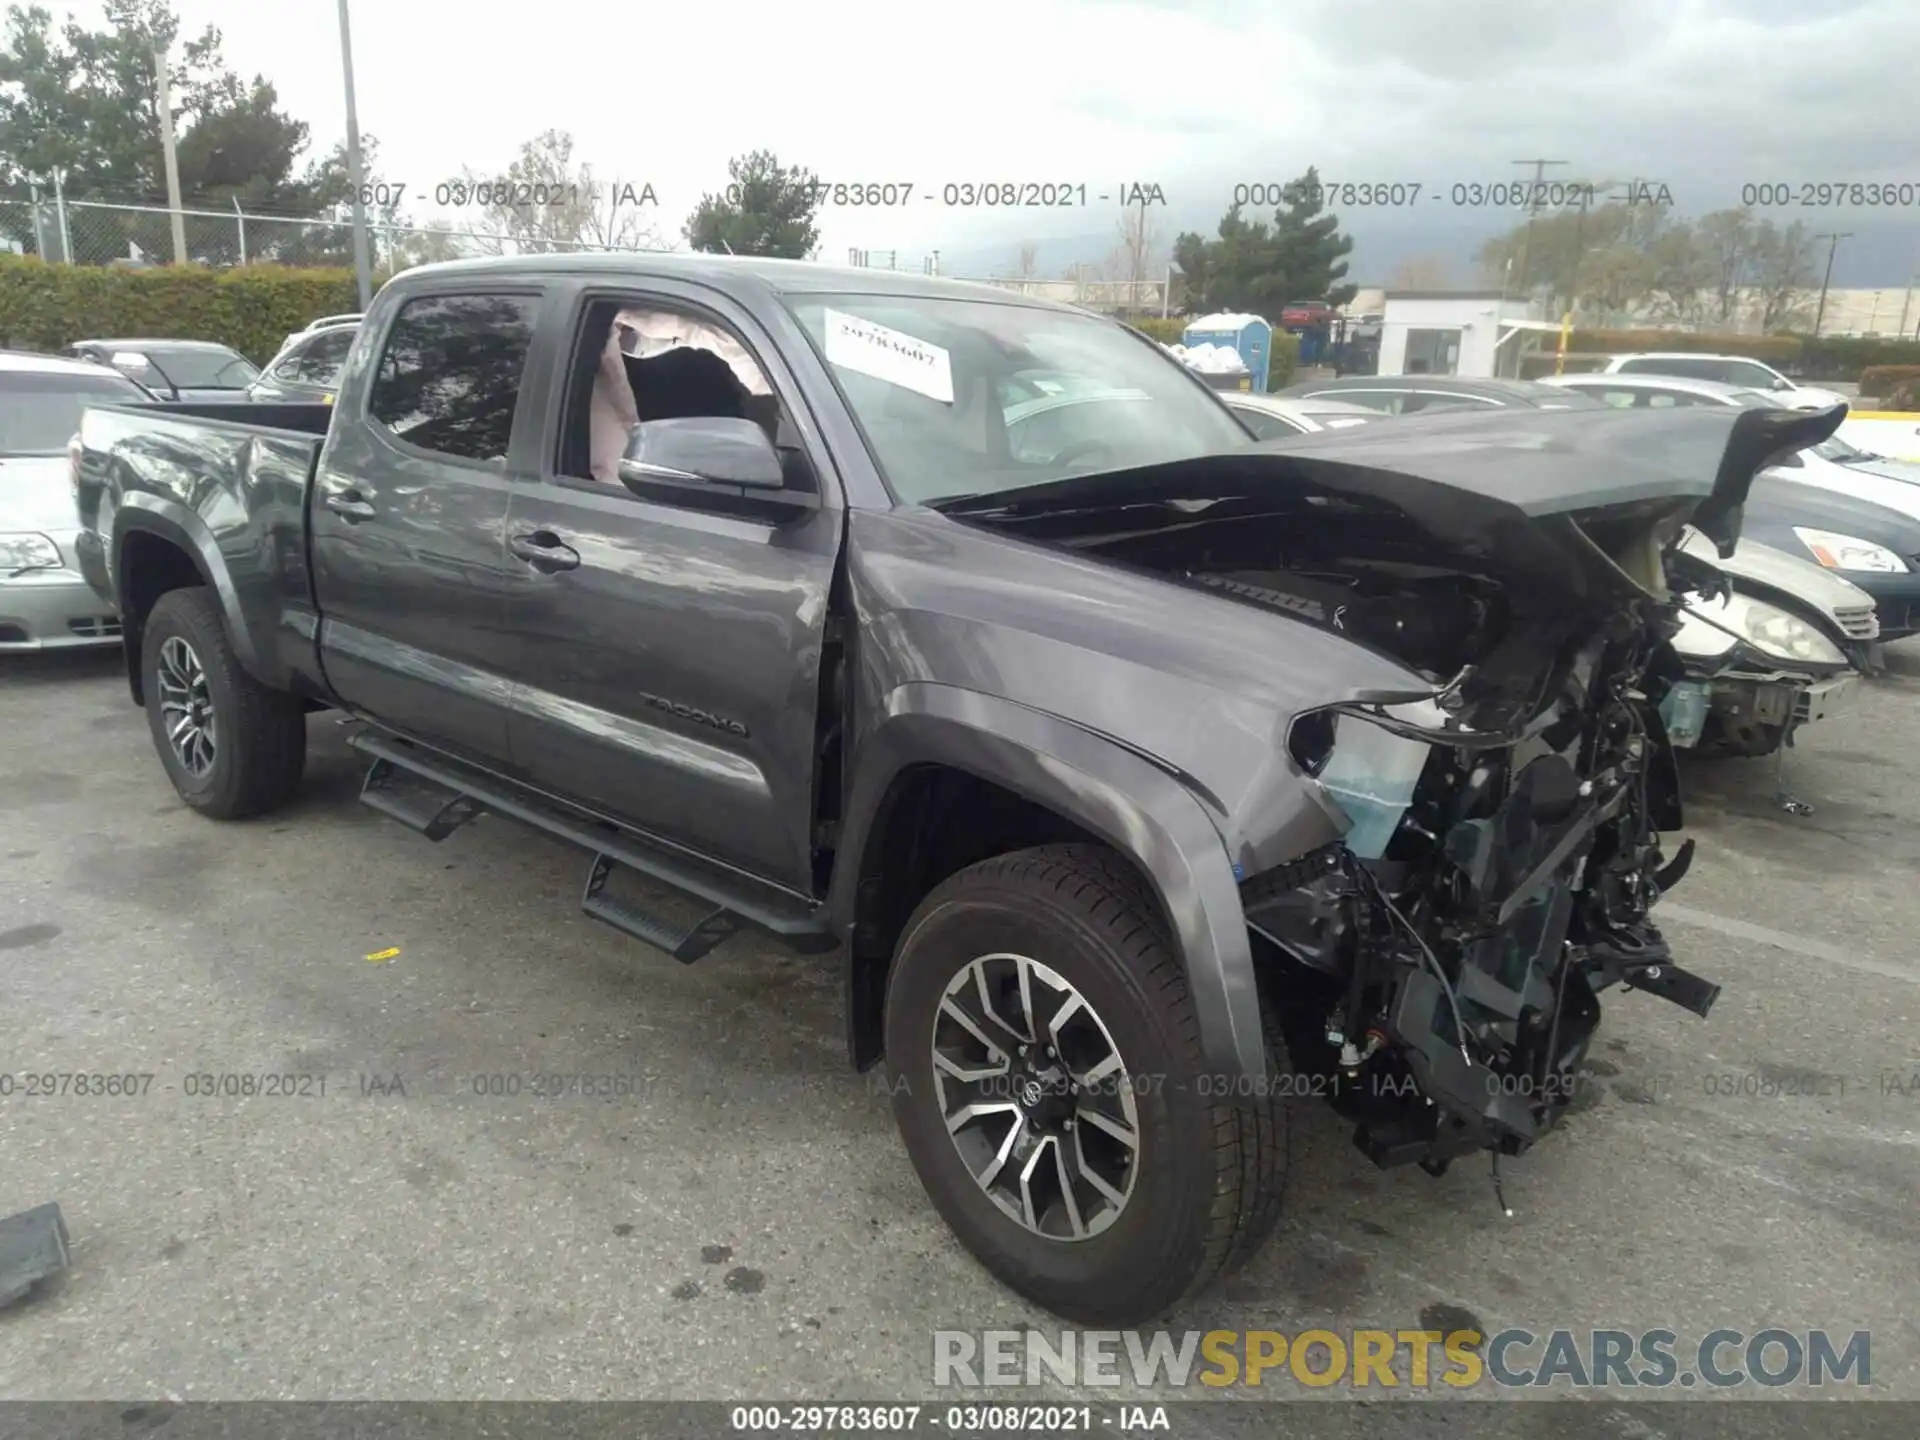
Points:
(232, 746)
(1051, 1092)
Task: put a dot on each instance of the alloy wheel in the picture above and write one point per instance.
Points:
(186, 709)
(1036, 1097)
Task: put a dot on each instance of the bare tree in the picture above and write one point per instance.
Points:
(433, 242)
(1027, 263)
(544, 202)
(1420, 272)
(1727, 242)
(1617, 281)
(1783, 272)
(1681, 279)
(1139, 252)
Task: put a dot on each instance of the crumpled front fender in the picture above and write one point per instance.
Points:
(1135, 805)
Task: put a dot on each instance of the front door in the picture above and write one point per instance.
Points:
(409, 509)
(668, 668)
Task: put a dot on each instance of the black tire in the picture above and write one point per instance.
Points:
(260, 744)
(1207, 1179)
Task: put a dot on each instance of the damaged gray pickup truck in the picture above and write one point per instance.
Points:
(1145, 783)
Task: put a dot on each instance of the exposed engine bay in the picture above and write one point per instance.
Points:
(1499, 872)
(1438, 967)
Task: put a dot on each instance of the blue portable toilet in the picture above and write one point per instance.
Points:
(1251, 336)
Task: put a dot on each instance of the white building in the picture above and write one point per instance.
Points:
(1471, 333)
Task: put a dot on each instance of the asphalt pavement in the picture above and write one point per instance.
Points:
(402, 1217)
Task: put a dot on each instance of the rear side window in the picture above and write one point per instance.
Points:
(1616, 399)
(1389, 401)
(317, 361)
(451, 371)
(1748, 373)
(1686, 369)
(1425, 400)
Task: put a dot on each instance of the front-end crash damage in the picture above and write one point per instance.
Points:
(1499, 830)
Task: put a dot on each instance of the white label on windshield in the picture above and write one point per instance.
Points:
(889, 355)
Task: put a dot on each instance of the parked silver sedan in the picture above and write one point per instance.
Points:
(1273, 417)
(45, 604)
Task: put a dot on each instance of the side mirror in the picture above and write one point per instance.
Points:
(708, 452)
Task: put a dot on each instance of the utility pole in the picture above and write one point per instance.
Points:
(1900, 331)
(163, 87)
(1573, 288)
(355, 172)
(1533, 206)
(1833, 240)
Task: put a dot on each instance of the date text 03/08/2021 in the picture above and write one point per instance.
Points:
(975, 194)
(535, 195)
(1458, 194)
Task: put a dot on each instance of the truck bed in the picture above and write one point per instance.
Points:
(225, 485)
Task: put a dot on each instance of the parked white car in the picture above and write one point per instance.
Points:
(1776, 653)
(1273, 417)
(1735, 370)
(45, 602)
(1834, 464)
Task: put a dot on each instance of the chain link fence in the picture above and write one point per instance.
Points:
(90, 232)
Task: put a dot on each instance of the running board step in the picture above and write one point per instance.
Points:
(737, 899)
(686, 946)
(415, 801)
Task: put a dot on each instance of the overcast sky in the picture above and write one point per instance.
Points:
(1194, 95)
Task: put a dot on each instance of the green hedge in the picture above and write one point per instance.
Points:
(48, 307)
(1282, 360)
(1881, 382)
(1832, 357)
(1167, 330)
(1773, 349)
(1844, 357)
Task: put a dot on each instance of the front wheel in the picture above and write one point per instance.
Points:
(1051, 1091)
(232, 746)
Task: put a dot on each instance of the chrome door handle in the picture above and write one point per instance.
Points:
(350, 506)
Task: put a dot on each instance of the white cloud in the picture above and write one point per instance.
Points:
(1191, 94)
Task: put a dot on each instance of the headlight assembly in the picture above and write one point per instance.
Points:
(1369, 772)
(23, 551)
(1767, 628)
(1849, 552)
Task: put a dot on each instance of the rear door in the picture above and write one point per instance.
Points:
(669, 675)
(408, 514)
